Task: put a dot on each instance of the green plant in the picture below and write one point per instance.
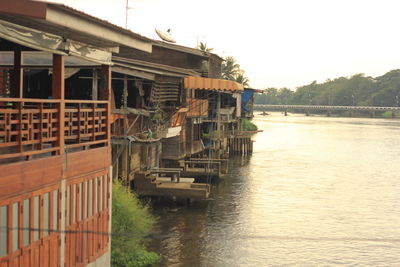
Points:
(247, 125)
(388, 114)
(205, 136)
(131, 221)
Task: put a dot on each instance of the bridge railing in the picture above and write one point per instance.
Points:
(320, 107)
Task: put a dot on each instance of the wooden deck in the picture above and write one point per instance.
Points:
(148, 184)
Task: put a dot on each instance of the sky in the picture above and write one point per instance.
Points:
(278, 43)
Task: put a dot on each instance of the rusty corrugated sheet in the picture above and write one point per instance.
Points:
(211, 84)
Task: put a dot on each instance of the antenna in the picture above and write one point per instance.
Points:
(126, 13)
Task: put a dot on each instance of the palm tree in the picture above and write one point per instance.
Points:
(230, 68)
(203, 47)
(240, 78)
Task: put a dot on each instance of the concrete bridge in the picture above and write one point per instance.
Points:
(329, 109)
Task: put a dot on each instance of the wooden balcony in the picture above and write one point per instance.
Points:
(31, 127)
(197, 108)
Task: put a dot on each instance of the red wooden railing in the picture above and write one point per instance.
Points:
(30, 127)
(86, 123)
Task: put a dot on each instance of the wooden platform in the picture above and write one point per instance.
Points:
(148, 184)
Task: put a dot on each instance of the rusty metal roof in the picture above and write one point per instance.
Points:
(153, 67)
(212, 84)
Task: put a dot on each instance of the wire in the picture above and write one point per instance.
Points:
(195, 236)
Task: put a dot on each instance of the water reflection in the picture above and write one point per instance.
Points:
(317, 192)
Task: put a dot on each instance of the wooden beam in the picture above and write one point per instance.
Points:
(18, 73)
(105, 94)
(58, 92)
(95, 86)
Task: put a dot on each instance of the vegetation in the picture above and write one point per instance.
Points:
(131, 217)
(357, 90)
(247, 125)
(231, 71)
(230, 68)
(203, 47)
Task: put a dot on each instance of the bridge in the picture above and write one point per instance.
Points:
(307, 108)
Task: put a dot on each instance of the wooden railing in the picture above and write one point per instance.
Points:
(31, 127)
(85, 123)
(198, 108)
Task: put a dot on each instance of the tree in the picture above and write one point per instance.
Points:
(203, 47)
(240, 78)
(230, 68)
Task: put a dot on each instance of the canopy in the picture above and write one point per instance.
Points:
(52, 43)
(202, 83)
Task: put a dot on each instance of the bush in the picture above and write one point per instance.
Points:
(247, 125)
(133, 218)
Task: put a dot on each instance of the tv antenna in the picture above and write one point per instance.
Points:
(126, 13)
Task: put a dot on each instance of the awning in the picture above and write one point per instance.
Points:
(211, 84)
(32, 38)
(55, 44)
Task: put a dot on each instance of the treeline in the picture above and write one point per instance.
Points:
(357, 90)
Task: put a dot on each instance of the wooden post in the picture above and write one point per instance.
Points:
(125, 103)
(95, 85)
(18, 73)
(105, 93)
(58, 93)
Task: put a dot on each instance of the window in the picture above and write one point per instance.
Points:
(68, 205)
(85, 200)
(79, 208)
(46, 218)
(15, 232)
(96, 187)
(101, 193)
(90, 198)
(36, 212)
(73, 208)
(3, 230)
(26, 217)
(105, 191)
(55, 210)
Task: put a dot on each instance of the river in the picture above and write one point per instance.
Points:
(317, 191)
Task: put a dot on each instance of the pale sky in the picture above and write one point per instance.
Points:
(279, 43)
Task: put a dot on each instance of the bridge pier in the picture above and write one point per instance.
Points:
(328, 114)
(285, 112)
(307, 113)
(350, 113)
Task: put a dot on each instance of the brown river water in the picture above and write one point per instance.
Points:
(317, 191)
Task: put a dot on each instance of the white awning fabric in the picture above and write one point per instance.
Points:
(43, 41)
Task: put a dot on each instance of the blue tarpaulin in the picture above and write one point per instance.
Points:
(246, 96)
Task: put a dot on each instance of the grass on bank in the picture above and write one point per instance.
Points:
(388, 114)
(129, 215)
(247, 125)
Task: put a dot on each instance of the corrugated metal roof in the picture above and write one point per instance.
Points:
(105, 23)
(153, 67)
(180, 48)
(73, 24)
(211, 84)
